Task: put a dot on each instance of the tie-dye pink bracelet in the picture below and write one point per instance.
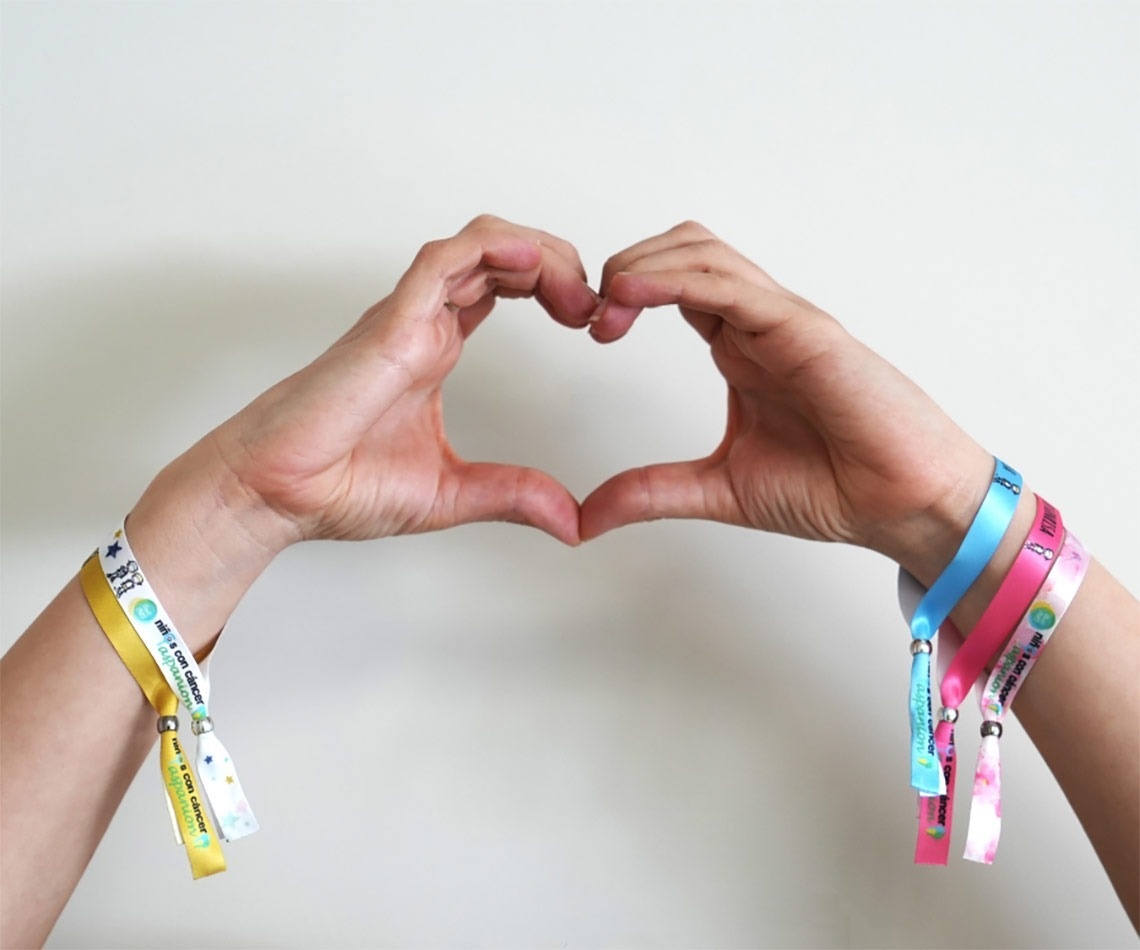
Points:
(1025, 577)
(1016, 660)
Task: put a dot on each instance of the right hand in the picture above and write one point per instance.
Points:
(824, 439)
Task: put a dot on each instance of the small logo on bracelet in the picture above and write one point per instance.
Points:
(131, 576)
(936, 815)
(1034, 548)
(1041, 616)
(1007, 484)
(144, 610)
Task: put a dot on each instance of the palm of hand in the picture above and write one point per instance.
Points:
(319, 450)
(825, 454)
(776, 464)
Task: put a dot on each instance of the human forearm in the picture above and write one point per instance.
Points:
(202, 542)
(1080, 706)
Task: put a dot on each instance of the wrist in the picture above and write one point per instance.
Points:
(975, 601)
(929, 541)
(203, 540)
(925, 542)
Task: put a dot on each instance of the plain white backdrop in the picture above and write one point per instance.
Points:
(679, 735)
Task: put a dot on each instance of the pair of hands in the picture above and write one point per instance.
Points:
(824, 439)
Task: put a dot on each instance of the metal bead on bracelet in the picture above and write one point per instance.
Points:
(167, 723)
(991, 728)
(199, 726)
(920, 646)
(948, 714)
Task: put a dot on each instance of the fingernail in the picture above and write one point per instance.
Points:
(599, 311)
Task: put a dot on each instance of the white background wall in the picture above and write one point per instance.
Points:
(682, 734)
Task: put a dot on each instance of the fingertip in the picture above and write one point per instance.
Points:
(611, 321)
(566, 527)
(600, 512)
(564, 293)
(590, 531)
(546, 504)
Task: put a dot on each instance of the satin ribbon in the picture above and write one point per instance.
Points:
(957, 675)
(974, 553)
(1037, 626)
(160, 637)
(203, 849)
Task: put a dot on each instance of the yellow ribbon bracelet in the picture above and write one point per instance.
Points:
(203, 847)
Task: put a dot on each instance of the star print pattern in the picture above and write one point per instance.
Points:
(223, 789)
(113, 550)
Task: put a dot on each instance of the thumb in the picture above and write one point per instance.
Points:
(696, 489)
(487, 491)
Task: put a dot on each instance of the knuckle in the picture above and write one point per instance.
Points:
(483, 222)
(693, 230)
(431, 251)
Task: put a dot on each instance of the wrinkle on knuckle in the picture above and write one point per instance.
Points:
(649, 507)
(709, 246)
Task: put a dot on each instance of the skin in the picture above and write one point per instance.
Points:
(823, 440)
(826, 440)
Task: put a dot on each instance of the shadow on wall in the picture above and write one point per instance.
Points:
(107, 375)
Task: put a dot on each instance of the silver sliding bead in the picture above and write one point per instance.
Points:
(948, 714)
(167, 723)
(198, 726)
(920, 646)
(990, 728)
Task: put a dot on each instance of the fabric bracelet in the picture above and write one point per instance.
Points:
(977, 548)
(186, 679)
(1025, 577)
(1017, 659)
(194, 827)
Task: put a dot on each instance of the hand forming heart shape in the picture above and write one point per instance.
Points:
(824, 439)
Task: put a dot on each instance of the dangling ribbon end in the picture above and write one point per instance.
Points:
(232, 812)
(925, 773)
(985, 807)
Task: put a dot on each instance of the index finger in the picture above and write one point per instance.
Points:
(423, 289)
(763, 314)
(556, 277)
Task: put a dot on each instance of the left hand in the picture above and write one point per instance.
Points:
(353, 445)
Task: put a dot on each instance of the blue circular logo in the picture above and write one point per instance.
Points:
(1042, 617)
(144, 610)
